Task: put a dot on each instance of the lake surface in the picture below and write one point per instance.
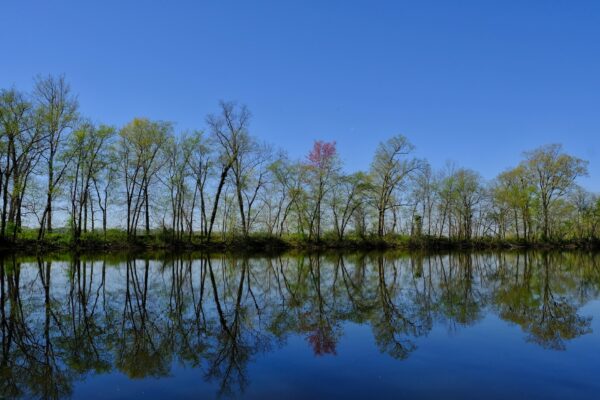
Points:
(378, 325)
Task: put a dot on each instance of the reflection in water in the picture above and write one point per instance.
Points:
(62, 320)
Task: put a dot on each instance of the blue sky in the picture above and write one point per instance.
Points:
(476, 82)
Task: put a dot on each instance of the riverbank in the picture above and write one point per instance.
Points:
(117, 240)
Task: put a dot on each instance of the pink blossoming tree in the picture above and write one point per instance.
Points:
(323, 165)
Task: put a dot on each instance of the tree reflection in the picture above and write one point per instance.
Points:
(322, 334)
(30, 366)
(537, 298)
(228, 361)
(142, 345)
(64, 320)
(461, 300)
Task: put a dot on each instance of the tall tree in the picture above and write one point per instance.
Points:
(283, 194)
(57, 115)
(322, 165)
(424, 190)
(87, 146)
(20, 147)
(104, 181)
(390, 169)
(201, 163)
(178, 152)
(467, 195)
(229, 130)
(515, 189)
(554, 173)
(139, 148)
(348, 195)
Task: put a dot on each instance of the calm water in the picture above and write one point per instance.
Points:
(482, 325)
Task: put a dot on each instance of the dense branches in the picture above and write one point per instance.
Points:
(390, 171)
(139, 153)
(553, 173)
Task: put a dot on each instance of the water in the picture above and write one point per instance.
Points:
(391, 325)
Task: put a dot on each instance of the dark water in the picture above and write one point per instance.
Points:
(302, 326)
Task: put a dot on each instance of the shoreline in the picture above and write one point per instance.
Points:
(267, 244)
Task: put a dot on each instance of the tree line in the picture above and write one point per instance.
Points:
(144, 178)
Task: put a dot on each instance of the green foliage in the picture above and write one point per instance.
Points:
(227, 189)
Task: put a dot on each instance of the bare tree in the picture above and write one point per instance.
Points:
(178, 152)
(348, 195)
(201, 165)
(229, 130)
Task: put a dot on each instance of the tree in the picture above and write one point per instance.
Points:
(57, 115)
(322, 167)
(515, 189)
(390, 170)
(553, 173)
(139, 149)
(20, 148)
(467, 194)
(201, 163)
(424, 193)
(178, 152)
(104, 180)
(584, 222)
(250, 172)
(283, 194)
(87, 147)
(348, 195)
(229, 130)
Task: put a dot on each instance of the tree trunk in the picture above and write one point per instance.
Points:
(216, 203)
(147, 205)
(50, 189)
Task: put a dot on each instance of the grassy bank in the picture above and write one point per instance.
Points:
(164, 240)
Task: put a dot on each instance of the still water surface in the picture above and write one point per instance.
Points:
(378, 325)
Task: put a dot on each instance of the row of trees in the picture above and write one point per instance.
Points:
(54, 163)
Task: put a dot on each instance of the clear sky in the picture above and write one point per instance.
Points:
(476, 82)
